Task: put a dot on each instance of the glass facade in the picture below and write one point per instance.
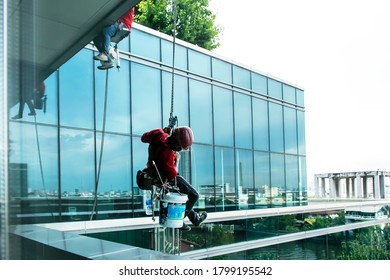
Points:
(77, 158)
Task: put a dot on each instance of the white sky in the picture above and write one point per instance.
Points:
(338, 51)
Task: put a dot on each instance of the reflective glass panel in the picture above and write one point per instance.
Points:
(180, 98)
(288, 93)
(290, 130)
(180, 54)
(124, 45)
(242, 120)
(300, 97)
(77, 173)
(33, 159)
(225, 179)
(260, 124)
(203, 174)
(245, 189)
(118, 99)
(115, 171)
(302, 180)
(77, 161)
(274, 89)
(278, 189)
(222, 71)
(140, 158)
(114, 186)
(262, 179)
(301, 133)
(223, 116)
(292, 187)
(241, 77)
(33, 173)
(76, 91)
(201, 112)
(146, 98)
(199, 63)
(144, 45)
(259, 83)
(276, 127)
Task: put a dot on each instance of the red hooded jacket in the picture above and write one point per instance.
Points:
(160, 153)
(127, 18)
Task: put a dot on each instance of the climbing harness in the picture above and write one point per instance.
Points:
(94, 210)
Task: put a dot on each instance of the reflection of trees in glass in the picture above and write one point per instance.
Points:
(323, 221)
(217, 234)
(274, 224)
(263, 256)
(370, 244)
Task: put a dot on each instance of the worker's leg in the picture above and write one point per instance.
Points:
(98, 42)
(193, 196)
(186, 188)
(108, 32)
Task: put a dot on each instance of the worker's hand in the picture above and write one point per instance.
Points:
(167, 130)
(172, 121)
(177, 156)
(177, 159)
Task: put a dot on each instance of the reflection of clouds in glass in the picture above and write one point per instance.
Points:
(77, 140)
(290, 130)
(146, 96)
(118, 99)
(200, 109)
(180, 98)
(260, 124)
(276, 127)
(115, 174)
(76, 91)
(77, 160)
(243, 120)
(223, 116)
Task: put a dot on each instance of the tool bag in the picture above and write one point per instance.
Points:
(145, 179)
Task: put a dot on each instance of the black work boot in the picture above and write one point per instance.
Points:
(199, 218)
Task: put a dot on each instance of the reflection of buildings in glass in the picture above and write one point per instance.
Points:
(18, 179)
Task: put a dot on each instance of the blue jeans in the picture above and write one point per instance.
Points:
(103, 40)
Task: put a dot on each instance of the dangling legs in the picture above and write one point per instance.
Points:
(107, 32)
(193, 196)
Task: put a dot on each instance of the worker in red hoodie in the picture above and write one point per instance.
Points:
(164, 147)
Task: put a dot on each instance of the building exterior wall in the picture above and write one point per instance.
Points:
(249, 149)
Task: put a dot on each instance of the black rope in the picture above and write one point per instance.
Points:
(41, 166)
(101, 148)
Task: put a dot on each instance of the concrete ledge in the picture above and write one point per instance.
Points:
(57, 244)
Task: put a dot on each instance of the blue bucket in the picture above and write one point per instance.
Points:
(172, 210)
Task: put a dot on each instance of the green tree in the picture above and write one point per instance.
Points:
(194, 21)
(370, 244)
